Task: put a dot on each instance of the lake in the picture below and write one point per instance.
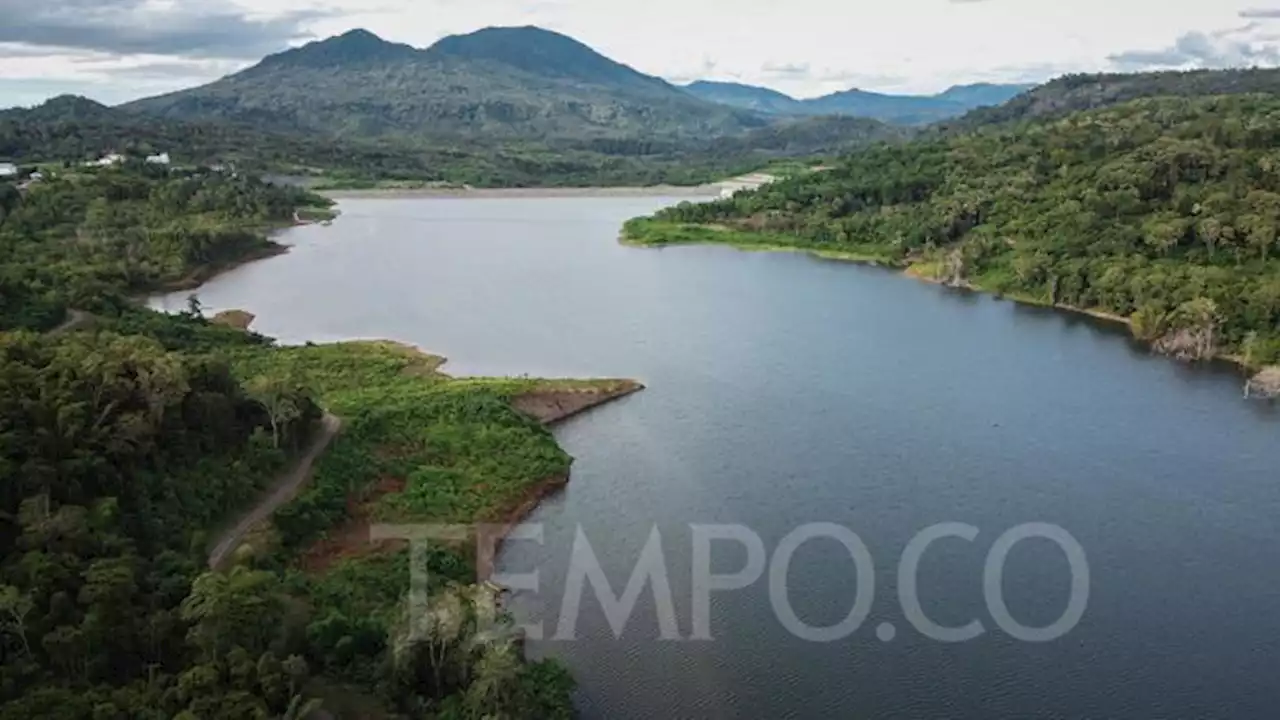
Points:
(784, 390)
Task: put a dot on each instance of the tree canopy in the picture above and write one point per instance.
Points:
(129, 440)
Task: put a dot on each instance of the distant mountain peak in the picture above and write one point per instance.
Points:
(537, 50)
(74, 102)
(857, 102)
(354, 47)
(749, 97)
(520, 34)
(358, 35)
(65, 107)
(499, 82)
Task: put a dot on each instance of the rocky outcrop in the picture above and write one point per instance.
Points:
(1266, 384)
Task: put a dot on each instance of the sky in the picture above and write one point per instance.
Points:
(118, 50)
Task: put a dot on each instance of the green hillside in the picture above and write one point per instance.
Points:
(1073, 93)
(1163, 211)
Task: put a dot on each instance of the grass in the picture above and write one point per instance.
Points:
(643, 232)
(462, 451)
(459, 453)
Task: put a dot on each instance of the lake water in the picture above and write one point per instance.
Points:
(785, 390)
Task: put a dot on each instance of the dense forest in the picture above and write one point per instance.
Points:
(75, 129)
(1088, 91)
(129, 438)
(90, 238)
(70, 130)
(1164, 211)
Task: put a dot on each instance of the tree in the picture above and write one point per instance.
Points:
(282, 397)
(15, 606)
(241, 608)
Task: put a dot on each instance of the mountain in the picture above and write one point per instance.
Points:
(353, 48)
(983, 94)
(749, 97)
(1072, 93)
(817, 135)
(546, 54)
(898, 109)
(496, 83)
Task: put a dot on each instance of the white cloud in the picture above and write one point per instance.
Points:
(1253, 44)
(803, 47)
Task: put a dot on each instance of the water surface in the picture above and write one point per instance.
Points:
(784, 390)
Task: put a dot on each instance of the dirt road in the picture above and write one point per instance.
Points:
(284, 490)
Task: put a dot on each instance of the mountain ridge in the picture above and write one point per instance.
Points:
(1090, 91)
(503, 83)
(900, 109)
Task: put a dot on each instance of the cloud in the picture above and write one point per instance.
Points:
(14, 50)
(788, 71)
(1238, 47)
(129, 27)
(164, 70)
(849, 78)
(1260, 13)
(708, 68)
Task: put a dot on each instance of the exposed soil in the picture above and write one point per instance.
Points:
(238, 319)
(555, 405)
(351, 539)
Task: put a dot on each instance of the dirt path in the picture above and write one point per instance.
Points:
(75, 319)
(285, 488)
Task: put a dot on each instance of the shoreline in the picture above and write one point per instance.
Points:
(206, 273)
(692, 191)
(549, 407)
(1235, 361)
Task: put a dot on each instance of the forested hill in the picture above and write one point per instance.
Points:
(89, 239)
(747, 97)
(898, 109)
(1073, 93)
(128, 438)
(1164, 211)
(75, 129)
(498, 83)
(72, 129)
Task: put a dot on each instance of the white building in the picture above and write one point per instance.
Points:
(161, 159)
(8, 169)
(107, 160)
